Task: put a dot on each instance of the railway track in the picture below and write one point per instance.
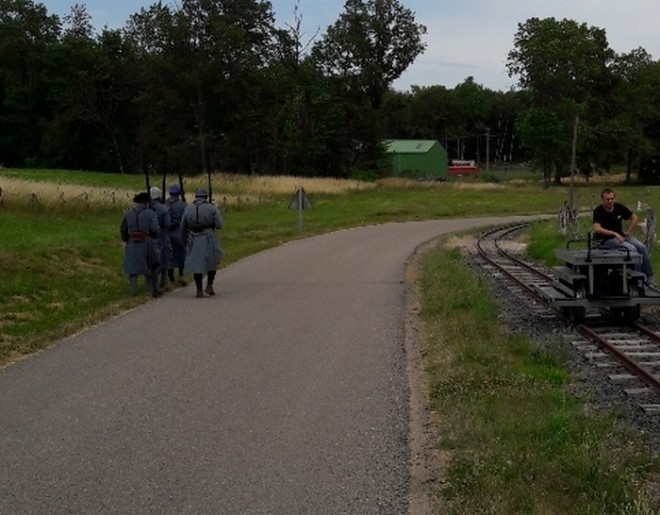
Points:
(519, 275)
(628, 354)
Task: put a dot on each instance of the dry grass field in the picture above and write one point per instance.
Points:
(227, 189)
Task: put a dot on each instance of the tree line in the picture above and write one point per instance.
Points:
(216, 85)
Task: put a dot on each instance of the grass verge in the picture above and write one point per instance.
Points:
(509, 436)
(62, 260)
(512, 440)
(61, 256)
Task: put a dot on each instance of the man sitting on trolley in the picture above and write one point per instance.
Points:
(608, 230)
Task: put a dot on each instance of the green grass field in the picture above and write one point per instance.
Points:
(510, 439)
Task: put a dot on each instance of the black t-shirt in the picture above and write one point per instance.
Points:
(612, 221)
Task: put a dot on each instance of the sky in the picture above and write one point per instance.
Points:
(465, 38)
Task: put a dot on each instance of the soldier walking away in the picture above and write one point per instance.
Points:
(176, 207)
(138, 229)
(203, 253)
(163, 240)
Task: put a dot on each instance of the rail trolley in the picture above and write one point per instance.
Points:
(598, 278)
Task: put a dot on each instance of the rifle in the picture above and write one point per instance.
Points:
(164, 188)
(210, 190)
(183, 194)
(146, 180)
(153, 278)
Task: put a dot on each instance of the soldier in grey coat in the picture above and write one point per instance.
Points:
(138, 229)
(176, 207)
(164, 245)
(203, 253)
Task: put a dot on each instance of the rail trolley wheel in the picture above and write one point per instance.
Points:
(575, 314)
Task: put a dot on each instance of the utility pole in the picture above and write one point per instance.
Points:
(573, 153)
(487, 149)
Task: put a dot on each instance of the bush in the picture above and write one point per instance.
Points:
(489, 177)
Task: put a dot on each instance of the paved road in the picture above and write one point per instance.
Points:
(286, 393)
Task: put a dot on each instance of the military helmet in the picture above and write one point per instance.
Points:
(141, 198)
(155, 192)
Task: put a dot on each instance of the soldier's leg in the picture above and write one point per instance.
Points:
(210, 277)
(163, 278)
(198, 282)
(153, 283)
(133, 284)
(181, 280)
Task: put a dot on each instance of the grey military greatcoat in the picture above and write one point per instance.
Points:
(198, 225)
(163, 239)
(138, 230)
(176, 208)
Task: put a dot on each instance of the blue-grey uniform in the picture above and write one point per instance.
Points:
(198, 225)
(138, 229)
(163, 240)
(176, 207)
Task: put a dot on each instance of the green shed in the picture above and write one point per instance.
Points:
(417, 158)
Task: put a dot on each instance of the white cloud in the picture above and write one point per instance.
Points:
(465, 37)
(474, 37)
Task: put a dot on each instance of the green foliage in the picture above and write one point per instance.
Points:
(56, 280)
(489, 177)
(364, 175)
(544, 239)
(209, 85)
(62, 261)
(507, 419)
(565, 68)
(373, 42)
(514, 438)
(196, 87)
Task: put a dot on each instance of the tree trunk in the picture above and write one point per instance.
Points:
(629, 161)
(546, 175)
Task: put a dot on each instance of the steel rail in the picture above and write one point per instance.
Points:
(629, 364)
(505, 231)
(646, 331)
(651, 380)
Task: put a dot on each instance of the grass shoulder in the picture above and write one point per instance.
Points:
(512, 436)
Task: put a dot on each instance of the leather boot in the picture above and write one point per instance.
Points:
(155, 291)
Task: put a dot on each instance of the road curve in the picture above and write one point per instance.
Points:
(287, 393)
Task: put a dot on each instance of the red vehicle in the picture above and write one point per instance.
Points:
(459, 168)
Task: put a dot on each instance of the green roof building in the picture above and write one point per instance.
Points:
(417, 158)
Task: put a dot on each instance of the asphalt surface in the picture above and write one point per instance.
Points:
(286, 393)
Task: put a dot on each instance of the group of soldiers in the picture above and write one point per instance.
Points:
(168, 239)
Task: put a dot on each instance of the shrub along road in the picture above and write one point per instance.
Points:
(285, 393)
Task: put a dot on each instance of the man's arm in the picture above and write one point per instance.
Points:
(597, 228)
(633, 223)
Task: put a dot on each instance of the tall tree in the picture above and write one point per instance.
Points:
(28, 36)
(563, 66)
(209, 52)
(374, 41)
(292, 139)
(644, 115)
(370, 46)
(94, 123)
(632, 107)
